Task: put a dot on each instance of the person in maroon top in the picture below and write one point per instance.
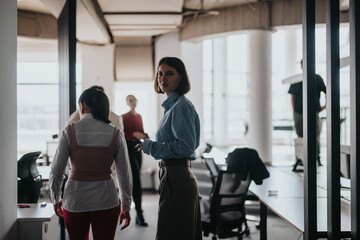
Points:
(134, 130)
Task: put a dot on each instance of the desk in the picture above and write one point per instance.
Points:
(37, 222)
(286, 185)
(44, 171)
(289, 202)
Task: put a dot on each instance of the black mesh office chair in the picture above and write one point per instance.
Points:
(29, 179)
(213, 169)
(224, 216)
(214, 172)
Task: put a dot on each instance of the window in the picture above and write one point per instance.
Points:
(37, 100)
(282, 112)
(208, 90)
(237, 86)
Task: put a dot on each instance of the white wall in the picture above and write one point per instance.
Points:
(98, 68)
(167, 45)
(8, 172)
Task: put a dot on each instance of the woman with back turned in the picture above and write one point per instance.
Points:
(90, 195)
(176, 140)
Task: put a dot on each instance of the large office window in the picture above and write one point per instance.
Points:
(236, 94)
(38, 99)
(208, 90)
(282, 111)
(345, 85)
(237, 86)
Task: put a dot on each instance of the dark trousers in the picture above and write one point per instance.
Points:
(103, 223)
(298, 120)
(135, 158)
(179, 209)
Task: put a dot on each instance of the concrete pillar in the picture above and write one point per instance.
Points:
(292, 65)
(167, 45)
(8, 116)
(260, 126)
(220, 80)
(192, 56)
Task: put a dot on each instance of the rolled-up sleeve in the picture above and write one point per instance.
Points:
(124, 175)
(58, 166)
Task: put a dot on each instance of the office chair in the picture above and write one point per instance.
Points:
(213, 169)
(214, 172)
(29, 179)
(225, 216)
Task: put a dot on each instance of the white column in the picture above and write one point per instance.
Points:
(8, 116)
(191, 54)
(220, 80)
(260, 93)
(167, 45)
(292, 65)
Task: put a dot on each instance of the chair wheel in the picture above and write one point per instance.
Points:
(214, 238)
(247, 232)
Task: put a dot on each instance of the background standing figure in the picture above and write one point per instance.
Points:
(177, 138)
(134, 131)
(296, 91)
(90, 195)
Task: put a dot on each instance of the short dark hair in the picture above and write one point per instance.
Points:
(98, 102)
(184, 85)
(98, 88)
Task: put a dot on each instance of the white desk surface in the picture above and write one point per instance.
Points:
(289, 201)
(35, 213)
(292, 211)
(321, 180)
(285, 185)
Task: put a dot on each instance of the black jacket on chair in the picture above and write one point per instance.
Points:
(248, 158)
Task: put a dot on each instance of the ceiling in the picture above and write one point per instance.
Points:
(129, 19)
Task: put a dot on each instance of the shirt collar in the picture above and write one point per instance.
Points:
(170, 101)
(87, 115)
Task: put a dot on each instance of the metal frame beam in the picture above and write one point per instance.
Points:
(333, 119)
(309, 120)
(354, 20)
(67, 61)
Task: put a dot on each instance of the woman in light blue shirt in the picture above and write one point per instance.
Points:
(177, 137)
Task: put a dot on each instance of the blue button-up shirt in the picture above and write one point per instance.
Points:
(178, 134)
